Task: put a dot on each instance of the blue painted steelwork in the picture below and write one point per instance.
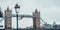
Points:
(27, 16)
(23, 15)
(43, 20)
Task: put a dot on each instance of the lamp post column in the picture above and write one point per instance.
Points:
(17, 20)
(17, 7)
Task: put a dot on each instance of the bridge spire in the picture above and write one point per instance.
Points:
(8, 8)
(36, 10)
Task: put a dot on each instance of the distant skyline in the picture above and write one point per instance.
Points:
(49, 9)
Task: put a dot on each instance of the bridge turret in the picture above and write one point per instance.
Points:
(8, 19)
(36, 20)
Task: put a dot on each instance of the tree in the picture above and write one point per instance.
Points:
(1, 14)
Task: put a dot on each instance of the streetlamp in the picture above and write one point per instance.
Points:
(17, 8)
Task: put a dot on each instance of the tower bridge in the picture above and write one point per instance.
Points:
(36, 19)
(8, 16)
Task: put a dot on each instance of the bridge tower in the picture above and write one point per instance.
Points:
(8, 19)
(36, 20)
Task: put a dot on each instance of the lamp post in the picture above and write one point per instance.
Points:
(17, 7)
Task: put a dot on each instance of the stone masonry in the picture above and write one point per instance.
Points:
(8, 19)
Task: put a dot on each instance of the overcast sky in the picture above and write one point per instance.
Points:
(49, 9)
